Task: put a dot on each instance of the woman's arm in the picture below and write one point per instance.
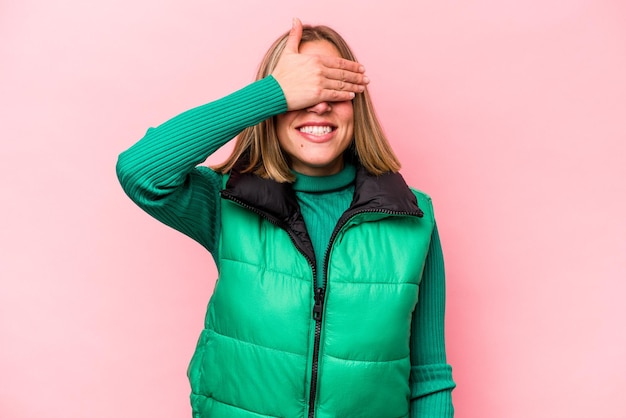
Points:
(431, 377)
(160, 174)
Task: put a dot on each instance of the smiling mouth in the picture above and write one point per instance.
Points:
(316, 130)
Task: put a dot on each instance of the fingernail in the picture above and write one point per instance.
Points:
(366, 79)
(362, 69)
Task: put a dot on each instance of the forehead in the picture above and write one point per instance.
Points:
(319, 48)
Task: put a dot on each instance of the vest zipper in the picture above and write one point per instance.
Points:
(318, 308)
(320, 294)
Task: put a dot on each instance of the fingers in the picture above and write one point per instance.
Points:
(342, 64)
(341, 83)
(337, 96)
(343, 75)
(295, 35)
(346, 77)
(341, 87)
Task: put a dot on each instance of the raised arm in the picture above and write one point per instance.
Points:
(159, 172)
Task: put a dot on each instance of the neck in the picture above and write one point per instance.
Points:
(305, 183)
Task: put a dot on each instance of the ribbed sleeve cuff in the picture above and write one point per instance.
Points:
(437, 405)
(430, 378)
(431, 391)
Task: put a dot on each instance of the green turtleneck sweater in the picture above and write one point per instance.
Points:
(322, 201)
(162, 174)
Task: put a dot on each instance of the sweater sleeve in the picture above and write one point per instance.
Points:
(431, 377)
(160, 173)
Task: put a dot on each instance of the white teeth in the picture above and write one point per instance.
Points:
(316, 130)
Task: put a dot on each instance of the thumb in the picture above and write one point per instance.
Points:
(295, 35)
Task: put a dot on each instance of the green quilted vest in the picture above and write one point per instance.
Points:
(273, 344)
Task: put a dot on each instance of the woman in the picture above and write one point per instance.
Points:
(320, 245)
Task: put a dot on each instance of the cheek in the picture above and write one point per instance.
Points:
(283, 123)
(346, 114)
(350, 124)
(281, 127)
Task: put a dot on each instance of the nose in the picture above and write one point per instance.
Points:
(320, 108)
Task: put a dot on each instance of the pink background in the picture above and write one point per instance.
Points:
(511, 114)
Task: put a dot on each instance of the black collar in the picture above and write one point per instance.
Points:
(277, 202)
(386, 193)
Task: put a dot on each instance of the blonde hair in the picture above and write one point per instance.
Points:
(257, 149)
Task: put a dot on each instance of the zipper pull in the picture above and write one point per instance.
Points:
(319, 303)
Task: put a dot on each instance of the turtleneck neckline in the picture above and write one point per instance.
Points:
(316, 184)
